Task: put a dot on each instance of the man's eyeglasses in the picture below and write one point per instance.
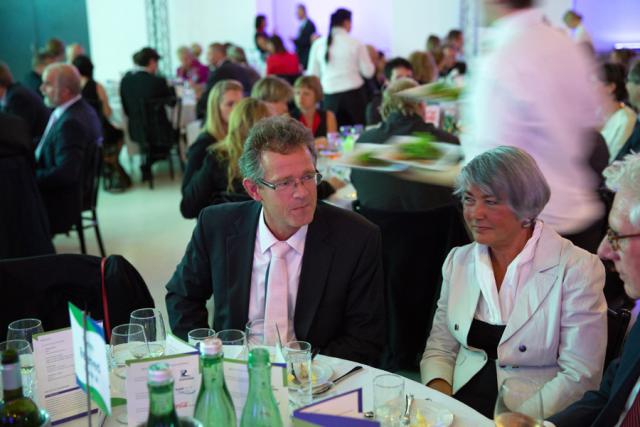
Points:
(614, 238)
(289, 184)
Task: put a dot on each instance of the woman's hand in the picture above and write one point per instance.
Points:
(441, 385)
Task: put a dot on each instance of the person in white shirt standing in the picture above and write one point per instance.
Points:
(579, 34)
(341, 62)
(533, 88)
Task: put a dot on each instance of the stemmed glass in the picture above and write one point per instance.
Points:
(24, 329)
(124, 339)
(519, 404)
(153, 325)
(25, 353)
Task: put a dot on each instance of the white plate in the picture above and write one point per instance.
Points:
(451, 156)
(349, 160)
(431, 414)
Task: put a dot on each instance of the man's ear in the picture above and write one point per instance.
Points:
(252, 189)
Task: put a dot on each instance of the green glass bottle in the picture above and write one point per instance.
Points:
(162, 411)
(260, 409)
(16, 410)
(214, 406)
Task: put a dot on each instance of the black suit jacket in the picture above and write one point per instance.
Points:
(24, 103)
(303, 42)
(227, 70)
(65, 169)
(136, 88)
(603, 407)
(340, 302)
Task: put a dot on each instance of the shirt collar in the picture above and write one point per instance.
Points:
(525, 255)
(60, 109)
(266, 239)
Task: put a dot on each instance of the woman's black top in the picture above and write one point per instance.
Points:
(196, 155)
(321, 129)
(110, 134)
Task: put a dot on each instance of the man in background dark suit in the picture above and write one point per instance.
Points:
(332, 292)
(303, 41)
(21, 101)
(66, 154)
(617, 402)
(223, 69)
(137, 88)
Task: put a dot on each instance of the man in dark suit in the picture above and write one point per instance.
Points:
(314, 270)
(306, 31)
(137, 88)
(223, 68)
(21, 101)
(617, 402)
(66, 154)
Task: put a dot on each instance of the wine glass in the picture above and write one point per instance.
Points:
(25, 353)
(234, 342)
(151, 321)
(24, 329)
(196, 336)
(124, 339)
(519, 404)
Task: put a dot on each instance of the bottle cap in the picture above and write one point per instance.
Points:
(211, 346)
(159, 373)
(259, 357)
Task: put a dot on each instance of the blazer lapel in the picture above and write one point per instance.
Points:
(534, 291)
(317, 259)
(239, 263)
(466, 294)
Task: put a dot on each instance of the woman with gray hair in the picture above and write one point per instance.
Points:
(520, 300)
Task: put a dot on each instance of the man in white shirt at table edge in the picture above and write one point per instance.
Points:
(313, 269)
(617, 402)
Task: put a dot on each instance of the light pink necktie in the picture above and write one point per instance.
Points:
(277, 306)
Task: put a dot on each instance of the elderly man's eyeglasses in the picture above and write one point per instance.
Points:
(614, 238)
(289, 184)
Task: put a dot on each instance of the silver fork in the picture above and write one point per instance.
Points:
(406, 418)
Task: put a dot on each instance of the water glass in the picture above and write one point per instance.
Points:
(519, 404)
(196, 336)
(25, 353)
(234, 342)
(299, 373)
(127, 342)
(24, 329)
(388, 399)
(153, 325)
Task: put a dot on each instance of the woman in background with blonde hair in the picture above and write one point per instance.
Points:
(219, 179)
(222, 98)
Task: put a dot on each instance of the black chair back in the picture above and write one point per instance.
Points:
(617, 324)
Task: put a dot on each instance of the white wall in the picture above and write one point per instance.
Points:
(117, 29)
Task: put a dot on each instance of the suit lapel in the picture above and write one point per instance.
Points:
(535, 290)
(239, 263)
(317, 258)
(466, 294)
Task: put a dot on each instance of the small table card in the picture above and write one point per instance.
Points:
(343, 410)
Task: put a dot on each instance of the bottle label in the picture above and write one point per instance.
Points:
(11, 376)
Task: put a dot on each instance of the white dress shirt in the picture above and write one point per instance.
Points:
(348, 63)
(495, 307)
(55, 115)
(534, 89)
(261, 259)
(618, 129)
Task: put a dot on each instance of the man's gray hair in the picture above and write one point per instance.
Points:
(624, 176)
(279, 134)
(511, 175)
(66, 76)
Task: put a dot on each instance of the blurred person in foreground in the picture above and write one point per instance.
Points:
(218, 180)
(312, 269)
(549, 111)
(222, 99)
(519, 301)
(616, 402)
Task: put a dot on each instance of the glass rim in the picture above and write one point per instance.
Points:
(228, 331)
(128, 326)
(288, 346)
(197, 330)
(25, 344)
(37, 322)
(381, 377)
(155, 312)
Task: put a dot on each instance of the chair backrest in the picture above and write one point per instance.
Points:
(92, 182)
(158, 130)
(617, 324)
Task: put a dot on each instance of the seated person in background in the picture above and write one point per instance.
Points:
(402, 116)
(313, 269)
(22, 102)
(65, 156)
(73, 51)
(307, 93)
(519, 301)
(190, 68)
(138, 87)
(619, 118)
(279, 61)
(237, 56)
(219, 179)
(434, 44)
(395, 69)
(616, 401)
(222, 98)
(224, 69)
(276, 92)
(632, 145)
(449, 62)
(424, 67)
(33, 79)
